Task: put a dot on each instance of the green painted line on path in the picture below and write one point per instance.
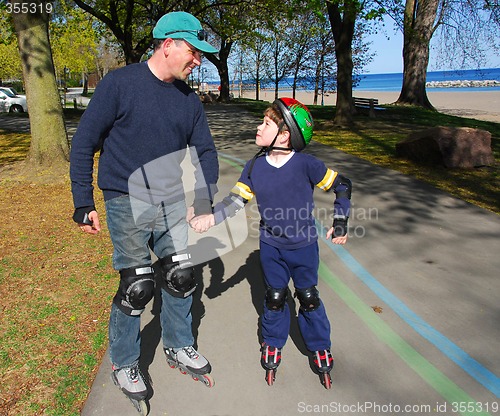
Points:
(430, 374)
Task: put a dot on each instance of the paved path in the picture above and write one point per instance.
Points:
(427, 262)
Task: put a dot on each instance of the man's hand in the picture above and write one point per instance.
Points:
(95, 227)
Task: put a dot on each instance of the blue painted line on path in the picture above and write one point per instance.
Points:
(471, 366)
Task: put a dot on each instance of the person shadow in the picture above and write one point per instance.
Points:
(252, 272)
(205, 255)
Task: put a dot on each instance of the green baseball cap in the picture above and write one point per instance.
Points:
(182, 25)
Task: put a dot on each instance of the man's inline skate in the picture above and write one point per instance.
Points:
(189, 361)
(270, 360)
(130, 381)
(323, 361)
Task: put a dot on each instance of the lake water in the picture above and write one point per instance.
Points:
(393, 82)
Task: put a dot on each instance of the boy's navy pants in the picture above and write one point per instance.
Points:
(279, 265)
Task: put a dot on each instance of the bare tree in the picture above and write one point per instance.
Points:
(255, 50)
(323, 60)
(49, 143)
(303, 44)
(468, 33)
(280, 61)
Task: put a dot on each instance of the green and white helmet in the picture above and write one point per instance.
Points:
(299, 120)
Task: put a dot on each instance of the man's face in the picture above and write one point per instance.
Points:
(184, 59)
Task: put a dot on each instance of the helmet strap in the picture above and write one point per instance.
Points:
(261, 151)
(266, 149)
(281, 148)
(271, 146)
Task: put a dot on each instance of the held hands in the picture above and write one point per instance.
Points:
(202, 223)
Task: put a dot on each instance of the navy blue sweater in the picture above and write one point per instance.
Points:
(133, 119)
(285, 198)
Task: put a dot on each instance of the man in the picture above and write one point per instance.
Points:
(141, 118)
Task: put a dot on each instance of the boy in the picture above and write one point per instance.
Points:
(283, 182)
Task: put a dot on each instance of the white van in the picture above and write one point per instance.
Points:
(12, 103)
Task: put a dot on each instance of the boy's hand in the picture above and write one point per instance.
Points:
(190, 214)
(202, 223)
(336, 240)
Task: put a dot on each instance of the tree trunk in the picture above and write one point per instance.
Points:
(223, 70)
(257, 83)
(85, 90)
(418, 29)
(343, 25)
(49, 142)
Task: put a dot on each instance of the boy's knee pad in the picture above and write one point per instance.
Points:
(308, 298)
(137, 287)
(275, 298)
(178, 274)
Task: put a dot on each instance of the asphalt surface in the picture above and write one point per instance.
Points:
(413, 300)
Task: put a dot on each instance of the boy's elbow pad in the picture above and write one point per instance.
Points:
(345, 186)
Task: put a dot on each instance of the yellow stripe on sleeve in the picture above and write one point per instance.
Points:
(327, 181)
(242, 190)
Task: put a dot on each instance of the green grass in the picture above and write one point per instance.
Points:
(374, 139)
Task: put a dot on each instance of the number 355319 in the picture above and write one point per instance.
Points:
(29, 7)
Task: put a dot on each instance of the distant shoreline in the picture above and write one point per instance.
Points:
(481, 105)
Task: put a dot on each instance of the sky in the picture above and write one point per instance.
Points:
(389, 53)
(389, 58)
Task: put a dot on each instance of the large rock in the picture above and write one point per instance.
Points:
(454, 147)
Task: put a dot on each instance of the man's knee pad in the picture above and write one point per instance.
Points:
(178, 274)
(308, 298)
(275, 298)
(137, 287)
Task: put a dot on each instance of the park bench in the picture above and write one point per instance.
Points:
(370, 104)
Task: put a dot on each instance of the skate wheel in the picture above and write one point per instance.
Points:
(141, 406)
(208, 380)
(182, 371)
(327, 381)
(270, 377)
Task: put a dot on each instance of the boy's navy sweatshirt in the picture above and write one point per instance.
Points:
(133, 119)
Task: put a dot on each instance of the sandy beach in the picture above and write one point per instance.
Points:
(481, 105)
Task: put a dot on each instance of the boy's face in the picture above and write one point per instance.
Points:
(266, 132)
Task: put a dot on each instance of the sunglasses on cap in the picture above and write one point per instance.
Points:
(200, 34)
